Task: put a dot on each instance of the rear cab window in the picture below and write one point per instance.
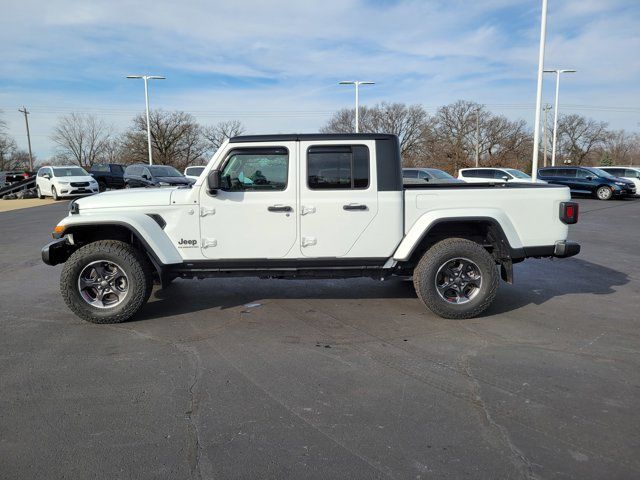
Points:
(338, 167)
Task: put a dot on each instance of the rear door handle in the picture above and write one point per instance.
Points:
(280, 208)
(354, 206)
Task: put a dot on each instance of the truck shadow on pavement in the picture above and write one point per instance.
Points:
(536, 282)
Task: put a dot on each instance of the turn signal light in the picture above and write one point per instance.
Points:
(58, 231)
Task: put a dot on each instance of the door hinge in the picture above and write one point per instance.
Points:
(309, 241)
(304, 210)
(209, 242)
(207, 211)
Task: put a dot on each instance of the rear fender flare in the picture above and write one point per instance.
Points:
(430, 219)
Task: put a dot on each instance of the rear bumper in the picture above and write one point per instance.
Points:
(57, 251)
(561, 249)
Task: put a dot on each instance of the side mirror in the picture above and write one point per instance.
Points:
(214, 180)
(588, 177)
(47, 176)
(505, 178)
(146, 177)
(426, 179)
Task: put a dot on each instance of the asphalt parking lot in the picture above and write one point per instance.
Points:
(245, 378)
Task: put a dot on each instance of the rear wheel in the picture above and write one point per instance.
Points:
(604, 193)
(107, 281)
(54, 193)
(456, 278)
(39, 193)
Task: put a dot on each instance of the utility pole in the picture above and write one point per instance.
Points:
(477, 136)
(26, 121)
(546, 109)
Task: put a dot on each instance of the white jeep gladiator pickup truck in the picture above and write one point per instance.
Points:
(307, 206)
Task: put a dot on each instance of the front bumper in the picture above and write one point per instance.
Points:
(57, 251)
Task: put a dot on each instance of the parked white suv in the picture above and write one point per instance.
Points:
(68, 181)
(628, 173)
(498, 175)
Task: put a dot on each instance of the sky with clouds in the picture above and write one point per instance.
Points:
(275, 64)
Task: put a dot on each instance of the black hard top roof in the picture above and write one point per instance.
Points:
(292, 137)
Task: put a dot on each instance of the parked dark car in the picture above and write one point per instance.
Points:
(424, 175)
(153, 176)
(108, 175)
(588, 180)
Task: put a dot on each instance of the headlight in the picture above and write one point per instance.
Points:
(621, 184)
(63, 183)
(92, 181)
(164, 184)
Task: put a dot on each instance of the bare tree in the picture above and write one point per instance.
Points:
(81, 138)
(7, 148)
(622, 148)
(176, 139)
(407, 122)
(579, 137)
(216, 135)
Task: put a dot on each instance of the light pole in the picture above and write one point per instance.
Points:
(477, 136)
(357, 84)
(536, 131)
(146, 78)
(555, 113)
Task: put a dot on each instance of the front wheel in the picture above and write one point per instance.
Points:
(54, 194)
(39, 193)
(107, 281)
(604, 193)
(456, 278)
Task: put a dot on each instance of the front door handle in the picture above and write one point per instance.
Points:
(280, 208)
(354, 206)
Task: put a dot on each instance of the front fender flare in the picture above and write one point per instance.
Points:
(145, 229)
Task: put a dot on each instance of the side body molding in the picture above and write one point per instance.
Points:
(431, 218)
(146, 230)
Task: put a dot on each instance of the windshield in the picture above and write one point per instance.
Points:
(516, 173)
(602, 173)
(439, 174)
(69, 172)
(195, 171)
(164, 171)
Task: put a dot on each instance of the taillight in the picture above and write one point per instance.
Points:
(569, 212)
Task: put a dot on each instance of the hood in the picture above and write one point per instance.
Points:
(173, 180)
(134, 197)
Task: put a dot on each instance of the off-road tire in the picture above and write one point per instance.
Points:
(134, 263)
(424, 278)
(604, 193)
(54, 194)
(39, 193)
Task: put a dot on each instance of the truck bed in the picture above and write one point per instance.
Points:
(528, 212)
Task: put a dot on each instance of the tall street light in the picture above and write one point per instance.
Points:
(555, 113)
(536, 131)
(357, 83)
(146, 78)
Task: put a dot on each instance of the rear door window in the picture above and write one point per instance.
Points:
(338, 167)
